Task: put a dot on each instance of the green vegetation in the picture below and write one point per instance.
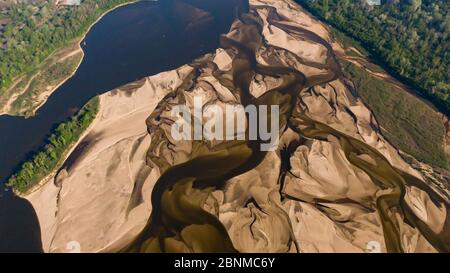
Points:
(348, 42)
(35, 31)
(48, 78)
(406, 121)
(410, 38)
(49, 158)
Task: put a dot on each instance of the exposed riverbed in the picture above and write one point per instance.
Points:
(337, 186)
(127, 44)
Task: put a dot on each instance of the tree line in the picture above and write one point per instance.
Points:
(61, 139)
(410, 38)
(36, 30)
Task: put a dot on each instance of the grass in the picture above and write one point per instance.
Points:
(52, 71)
(406, 121)
(50, 77)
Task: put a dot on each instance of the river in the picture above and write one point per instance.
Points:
(129, 43)
(146, 38)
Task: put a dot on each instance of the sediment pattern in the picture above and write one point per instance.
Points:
(334, 184)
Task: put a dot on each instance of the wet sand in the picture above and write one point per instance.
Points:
(333, 185)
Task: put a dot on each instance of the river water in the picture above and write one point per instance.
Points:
(127, 44)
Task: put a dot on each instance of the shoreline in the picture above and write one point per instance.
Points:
(66, 154)
(95, 204)
(405, 84)
(52, 175)
(362, 61)
(383, 75)
(76, 42)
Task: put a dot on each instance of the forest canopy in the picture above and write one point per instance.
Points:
(410, 38)
(35, 31)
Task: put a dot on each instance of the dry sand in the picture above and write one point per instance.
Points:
(91, 205)
(330, 204)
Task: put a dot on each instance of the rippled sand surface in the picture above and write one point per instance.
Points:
(334, 184)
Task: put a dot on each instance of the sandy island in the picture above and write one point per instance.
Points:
(91, 199)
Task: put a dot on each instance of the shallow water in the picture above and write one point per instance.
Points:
(127, 44)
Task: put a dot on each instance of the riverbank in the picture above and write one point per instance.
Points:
(50, 156)
(31, 92)
(117, 138)
(106, 184)
(408, 121)
(124, 34)
(421, 64)
(64, 156)
(6, 108)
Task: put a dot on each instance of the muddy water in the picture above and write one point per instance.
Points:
(177, 188)
(127, 44)
(179, 223)
(385, 176)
